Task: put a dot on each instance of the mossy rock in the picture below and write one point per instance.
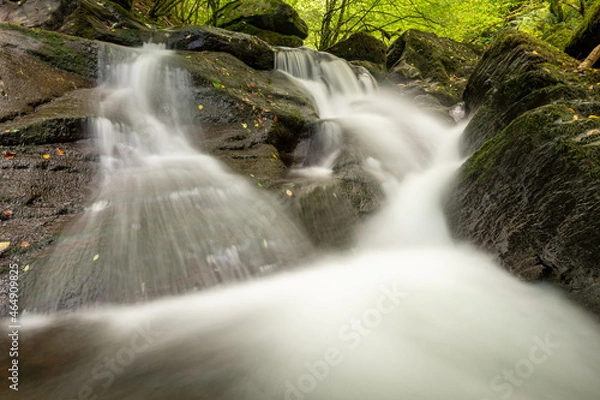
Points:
(269, 15)
(531, 196)
(417, 55)
(516, 74)
(587, 35)
(254, 52)
(109, 21)
(360, 46)
(274, 38)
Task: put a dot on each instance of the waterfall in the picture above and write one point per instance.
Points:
(407, 314)
(168, 219)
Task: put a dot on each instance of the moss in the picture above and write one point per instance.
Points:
(61, 51)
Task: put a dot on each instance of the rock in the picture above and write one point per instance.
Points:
(587, 35)
(516, 74)
(529, 194)
(274, 38)
(268, 15)
(249, 49)
(428, 64)
(249, 119)
(360, 46)
(100, 20)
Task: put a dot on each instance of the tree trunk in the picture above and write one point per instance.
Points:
(591, 59)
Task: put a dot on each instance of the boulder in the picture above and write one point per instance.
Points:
(360, 46)
(427, 64)
(266, 15)
(249, 49)
(100, 20)
(516, 74)
(587, 35)
(271, 37)
(251, 120)
(530, 192)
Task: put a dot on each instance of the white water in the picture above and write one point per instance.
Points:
(167, 219)
(409, 315)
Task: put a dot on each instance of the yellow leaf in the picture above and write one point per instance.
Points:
(9, 155)
(245, 125)
(46, 156)
(534, 52)
(222, 86)
(575, 117)
(259, 184)
(24, 244)
(251, 175)
(4, 246)
(60, 151)
(289, 193)
(200, 106)
(570, 109)
(97, 256)
(265, 243)
(26, 268)
(594, 117)
(7, 213)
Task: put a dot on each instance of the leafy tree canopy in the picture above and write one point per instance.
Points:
(465, 20)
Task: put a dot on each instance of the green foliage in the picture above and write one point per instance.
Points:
(331, 21)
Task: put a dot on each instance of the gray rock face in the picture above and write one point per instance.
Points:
(530, 192)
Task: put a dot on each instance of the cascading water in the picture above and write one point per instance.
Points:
(167, 219)
(408, 315)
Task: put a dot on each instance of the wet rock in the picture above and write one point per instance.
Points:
(360, 46)
(249, 49)
(266, 15)
(587, 35)
(529, 194)
(427, 64)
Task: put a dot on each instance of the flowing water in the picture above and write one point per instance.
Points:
(408, 314)
(167, 219)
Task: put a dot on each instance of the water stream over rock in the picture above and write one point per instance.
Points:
(407, 313)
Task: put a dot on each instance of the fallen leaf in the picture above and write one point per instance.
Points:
(46, 156)
(24, 244)
(275, 118)
(534, 52)
(259, 184)
(8, 213)
(97, 256)
(570, 109)
(60, 151)
(26, 268)
(4, 246)
(575, 117)
(9, 155)
(245, 125)
(594, 117)
(289, 192)
(265, 243)
(200, 106)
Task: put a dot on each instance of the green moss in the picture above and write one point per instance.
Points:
(61, 51)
